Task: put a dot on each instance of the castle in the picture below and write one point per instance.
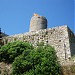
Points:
(61, 37)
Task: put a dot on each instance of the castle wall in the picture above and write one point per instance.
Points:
(57, 37)
(72, 41)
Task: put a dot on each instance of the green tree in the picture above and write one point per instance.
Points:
(27, 60)
(42, 60)
(11, 50)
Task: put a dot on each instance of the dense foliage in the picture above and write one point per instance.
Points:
(27, 60)
(9, 51)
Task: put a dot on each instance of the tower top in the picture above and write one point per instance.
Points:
(37, 22)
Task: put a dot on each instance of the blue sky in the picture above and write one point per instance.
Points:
(15, 15)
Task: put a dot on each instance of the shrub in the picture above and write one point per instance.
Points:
(27, 60)
(39, 61)
(9, 51)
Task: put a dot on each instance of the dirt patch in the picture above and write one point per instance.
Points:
(5, 69)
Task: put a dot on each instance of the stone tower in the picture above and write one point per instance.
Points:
(37, 22)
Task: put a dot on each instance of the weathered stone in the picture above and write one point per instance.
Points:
(61, 38)
(38, 22)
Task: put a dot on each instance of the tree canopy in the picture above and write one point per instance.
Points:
(29, 60)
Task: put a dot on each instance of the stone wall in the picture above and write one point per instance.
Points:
(58, 37)
(72, 41)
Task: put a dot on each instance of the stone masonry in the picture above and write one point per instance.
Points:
(37, 22)
(61, 38)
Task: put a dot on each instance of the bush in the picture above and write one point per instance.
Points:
(27, 60)
(39, 61)
(9, 51)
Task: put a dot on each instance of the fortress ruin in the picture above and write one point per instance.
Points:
(61, 37)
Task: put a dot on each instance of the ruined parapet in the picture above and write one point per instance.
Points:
(37, 22)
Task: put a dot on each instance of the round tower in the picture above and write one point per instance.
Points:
(37, 22)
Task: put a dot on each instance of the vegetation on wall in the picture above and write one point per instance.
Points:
(27, 60)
